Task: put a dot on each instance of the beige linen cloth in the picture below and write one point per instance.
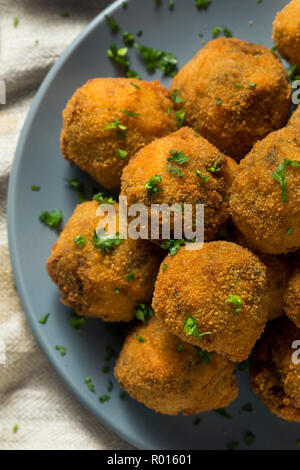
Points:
(31, 394)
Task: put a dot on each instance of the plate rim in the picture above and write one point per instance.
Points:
(11, 202)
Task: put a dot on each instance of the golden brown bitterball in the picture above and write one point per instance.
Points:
(190, 171)
(214, 297)
(265, 195)
(292, 296)
(235, 93)
(274, 373)
(108, 120)
(286, 32)
(98, 278)
(172, 377)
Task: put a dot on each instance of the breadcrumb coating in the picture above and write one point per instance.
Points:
(286, 32)
(292, 297)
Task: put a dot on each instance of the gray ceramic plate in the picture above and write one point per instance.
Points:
(38, 162)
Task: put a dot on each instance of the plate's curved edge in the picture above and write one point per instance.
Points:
(11, 201)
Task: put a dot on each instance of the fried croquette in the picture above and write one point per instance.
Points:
(292, 297)
(278, 272)
(108, 120)
(265, 195)
(214, 298)
(235, 93)
(274, 373)
(286, 32)
(190, 171)
(171, 377)
(102, 276)
(294, 120)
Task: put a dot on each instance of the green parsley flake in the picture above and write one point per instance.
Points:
(64, 14)
(179, 158)
(135, 85)
(171, 5)
(235, 300)
(77, 321)
(219, 101)
(164, 266)
(217, 30)
(104, 398)
(215, 168)
(101, 199)
(249, 438)
(15, 428)
(114, 27)
(62, 350)
(106, 242)
(293, 73)
(190, 327)
(120, 56)
(223, 412)
(122, 154)
(238, 85)
(233, 445)
(152, 185)
(105, 369)
(179, 347)
(129, 113)
(139, 33)
(44, 319)
(202, 178)
(117, 291)
(289, 231)
(35, 188)
(280, 175)
(124, 5)
(80, 240)
(202, 3)
(123, 396)
(253, 85)
(176, 171)
(180, 116)
(110, 386)
(128, 38)
(120, 128)
(16, 22)
(78, 186)
(52, 219)
(157, 59)
(89, 383)
(173, 245)
(143, 312)
(205, 355)
(130, 277)
(140, 339)
(175, 97)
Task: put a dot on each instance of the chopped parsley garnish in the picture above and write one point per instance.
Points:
(124, 5)
(143, 312)
(114, 27)
(130, 277)
(235, 300)
(238, 85)
(233, 445)
(110, 386)
(203, 179)
(247, 407)
(179, 347)
(53, 218)
(293, 73)
(77, 321)
(64, 14)
(78, 186)
(105, 369)
(89, 383)
(123, 396)
(62, 350)
(135, 85)
(215, 168)
(219, 101)
(157, 59)
(202, 3)
(16, 22)
(289, 231)
(117, 291)
(245, 365)
(101, 199)
(175, 97)
(280, 175)
(274, 48)
(190, 327)
(221, 29)
(106, 242)
(121, 129)
(15, 428)
(80, 240)
(171, 5)
(177, 171)
(173, 245)
(129, 113)
(104, 398)
(252, 84)
(128, 38)
(122, 154)
(139, 33)
(180, 116)
(164, 266)
(178, 157)
(152, 185)
(223, 412)
(35, 188)
(140, 339)
(249, 438)
(44, 319)
(120, 56)
(205, 355)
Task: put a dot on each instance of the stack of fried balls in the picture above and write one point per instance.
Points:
(221, 136)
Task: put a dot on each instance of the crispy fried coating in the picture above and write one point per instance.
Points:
(292, 297)
(200, 283)
(278, 272)
(93, 282)
(275, 378)
(286, 32)
(235, 94)
(87, 139)
(210, 188)
(294, 120)
(265, 195)
(169, 376)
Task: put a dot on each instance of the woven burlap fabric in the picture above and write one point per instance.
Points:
(31, 394)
